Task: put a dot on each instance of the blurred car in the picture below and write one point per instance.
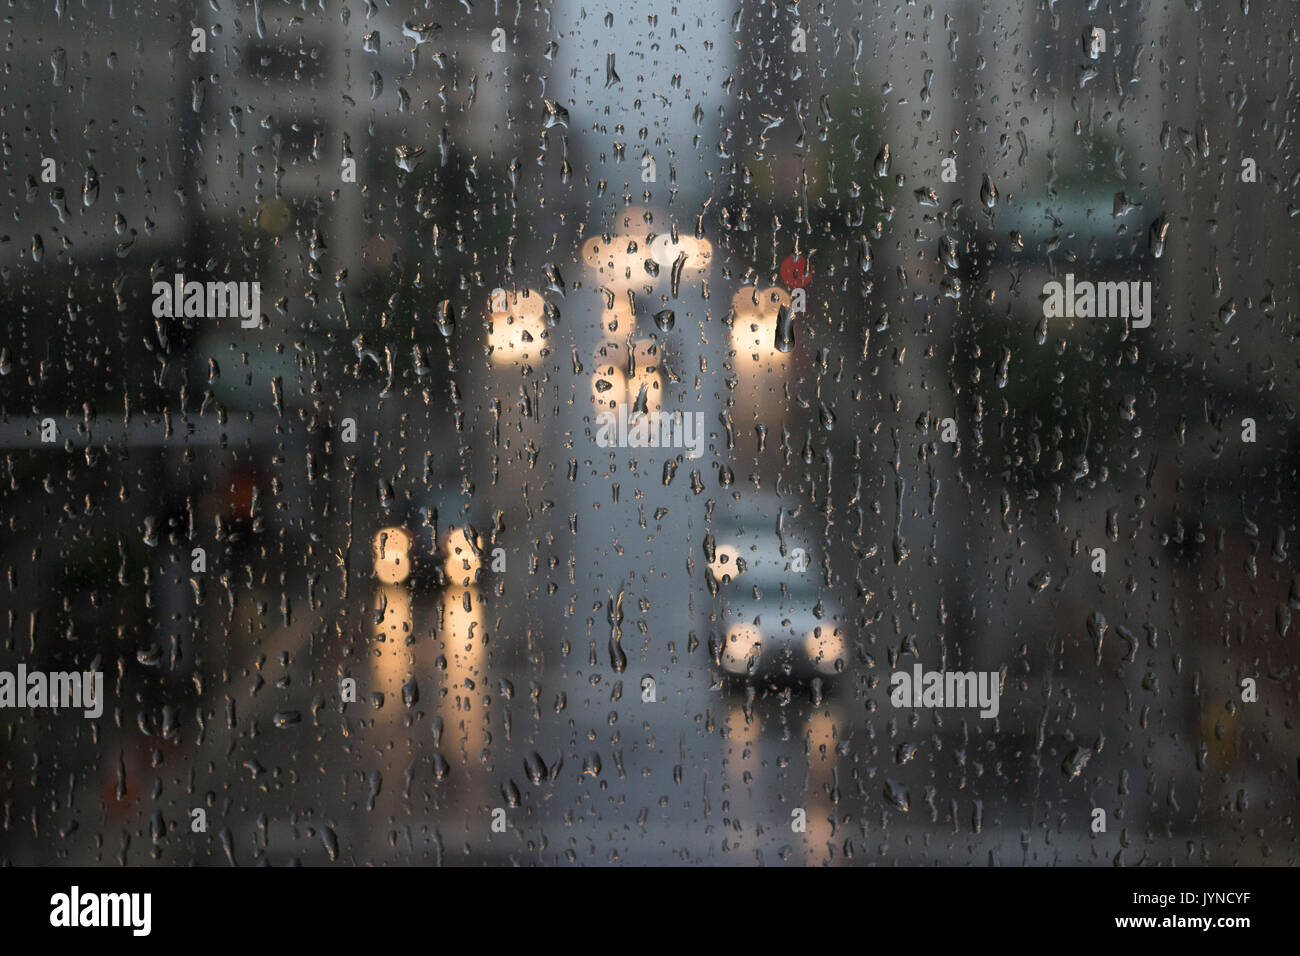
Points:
(773, 622)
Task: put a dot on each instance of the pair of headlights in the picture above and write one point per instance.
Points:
(744, 645)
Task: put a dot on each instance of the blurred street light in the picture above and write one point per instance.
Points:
(753, 336)
(516, 325)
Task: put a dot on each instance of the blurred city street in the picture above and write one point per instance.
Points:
(370, 586)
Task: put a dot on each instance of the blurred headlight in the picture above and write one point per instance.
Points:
(744, 646)
(825, 649)
(392, 550)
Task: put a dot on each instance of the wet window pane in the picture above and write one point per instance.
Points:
(725, 433)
